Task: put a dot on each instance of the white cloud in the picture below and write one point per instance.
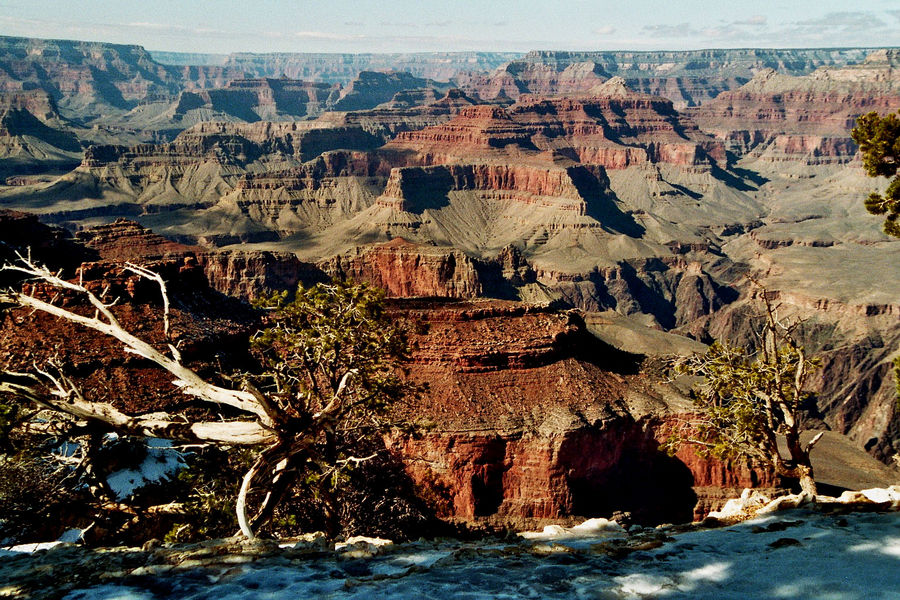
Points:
(754, 21)
(846, 28)
(605, 30)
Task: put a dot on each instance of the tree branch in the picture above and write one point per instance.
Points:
(238, 433)
(186, 379)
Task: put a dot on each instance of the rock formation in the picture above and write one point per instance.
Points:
(780, 117)
(370, 89)
(497, 449)
(404, 269)
(253, 100)
(603, 199)
(687, 78)
(611, 127)
(27, 145)
(343, 68)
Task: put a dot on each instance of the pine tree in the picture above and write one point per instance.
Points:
(879, 142)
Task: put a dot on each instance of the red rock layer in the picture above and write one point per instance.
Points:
(804, 118)
(613, 129)
(125, 240)
(530, 422)
(404, 269)
(234, 273)
(409, 187)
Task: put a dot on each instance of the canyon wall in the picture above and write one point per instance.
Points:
(687, 78)
(779, 117)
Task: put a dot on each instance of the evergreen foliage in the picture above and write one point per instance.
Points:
(748, 398)
(330, 341)
(879, 142)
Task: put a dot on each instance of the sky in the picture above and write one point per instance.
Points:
(222, 26)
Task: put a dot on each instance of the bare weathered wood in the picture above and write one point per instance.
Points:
(233, 433)
(186, 379)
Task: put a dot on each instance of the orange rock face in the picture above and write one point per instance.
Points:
(413, 188)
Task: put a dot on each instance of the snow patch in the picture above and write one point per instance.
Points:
(879, 495)
(161, 462)
(33, 547)
(589, 528)
(73, 536)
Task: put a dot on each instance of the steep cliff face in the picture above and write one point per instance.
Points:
(197, 76)
(253, 100)
(405, 111)
(499, 449)
(235, 273)
(124, 240)
(249, 274)
(370, 89)
(778, 117)
(84, 77)
(412, 189)
(404, 269)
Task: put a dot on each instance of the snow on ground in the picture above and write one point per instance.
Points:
(803, 553)
(161, 462)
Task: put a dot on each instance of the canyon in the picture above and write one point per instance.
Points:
(561, 220)
(490, 445)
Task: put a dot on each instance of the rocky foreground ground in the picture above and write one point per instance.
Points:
(792, 548)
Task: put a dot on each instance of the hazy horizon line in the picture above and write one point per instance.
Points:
(435, 51)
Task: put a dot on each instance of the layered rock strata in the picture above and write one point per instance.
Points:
(779, 117)
(501, 449)
(687, 78)
(404, 269)
(613, 127)
(258, 99)
(531, 417)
